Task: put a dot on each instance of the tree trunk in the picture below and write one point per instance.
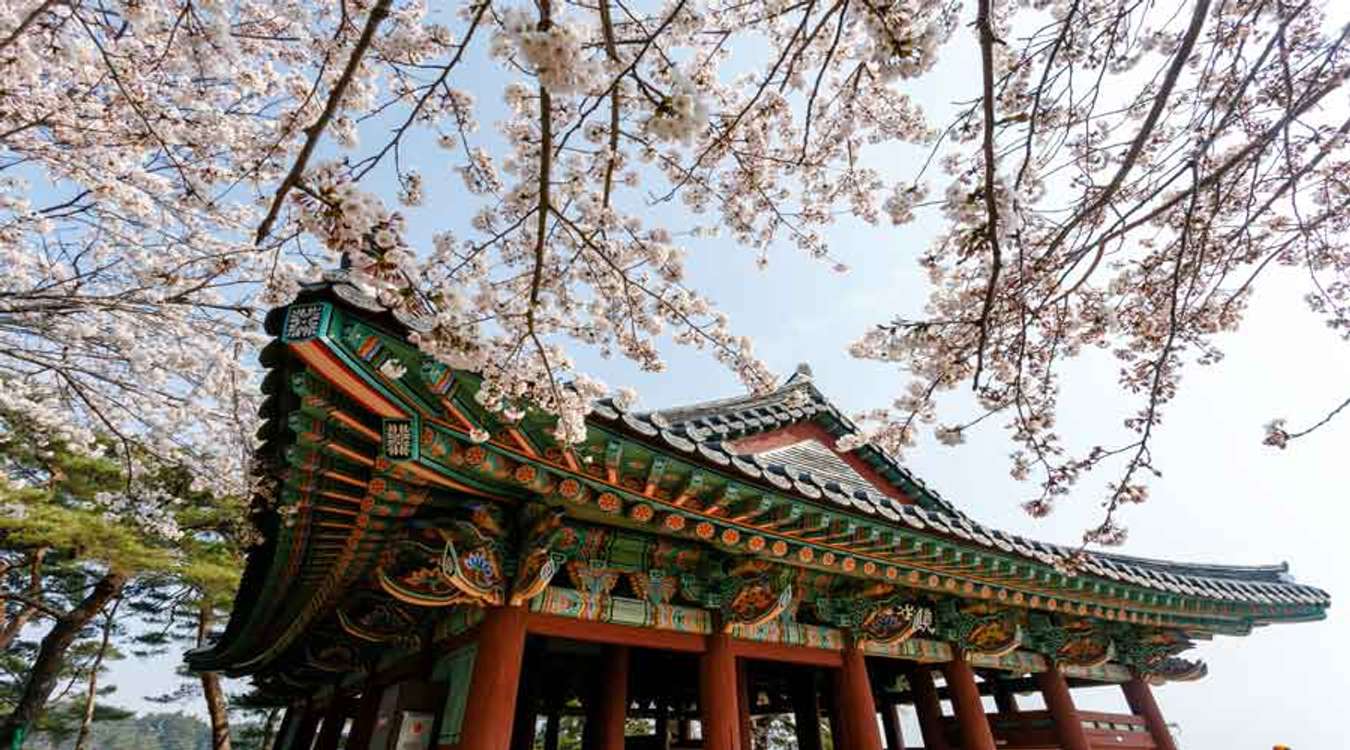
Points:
(215, 697)
(50, 655)
(14, 626)
(91, 695)
(269, 731)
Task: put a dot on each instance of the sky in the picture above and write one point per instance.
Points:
(1223, 497)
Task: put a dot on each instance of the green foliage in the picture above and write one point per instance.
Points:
(157, 731)
(68, 518)
(51, 498)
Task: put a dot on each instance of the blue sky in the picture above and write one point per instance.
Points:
(1223, 496)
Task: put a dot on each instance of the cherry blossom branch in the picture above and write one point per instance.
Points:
(314, 132)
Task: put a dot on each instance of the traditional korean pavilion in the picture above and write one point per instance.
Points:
(693, 567)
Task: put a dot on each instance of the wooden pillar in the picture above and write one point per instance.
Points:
(890, 724)
(367, 712)
(1068, 727)
(806, 714)
(857, 709)
(330, 734)
(522, 730)
(303, 739)
(743, 699)
(662, 725)
(289, 720)
(717, 695)
(491, 705)
(1004, 699)
(551, 730)
(965, 694)
(611, 699)
(527, 704)
(1140, 697)
(929, 708)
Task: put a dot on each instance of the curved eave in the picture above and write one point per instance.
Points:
(270, 612)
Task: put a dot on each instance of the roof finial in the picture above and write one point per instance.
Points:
(803, 369)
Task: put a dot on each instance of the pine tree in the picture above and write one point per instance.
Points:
(79, 529)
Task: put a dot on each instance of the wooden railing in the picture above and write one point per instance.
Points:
(1125, 731)
(1035, 730)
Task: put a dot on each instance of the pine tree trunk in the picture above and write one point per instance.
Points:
(91, 695)
(50, 655)
(215, 697)
(14, 626)
(269, 732)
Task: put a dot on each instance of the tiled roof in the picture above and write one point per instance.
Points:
(704, 430)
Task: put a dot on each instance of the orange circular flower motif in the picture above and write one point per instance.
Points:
(376, 486)
(755, 543)
(730, 536)
(827, 558)
(475, 455)
(569, 488)
(524, 473)
(968, 587)
(848, 564)
(986, 592)
(949, 584)
(1003, 595)
(806, 554)
(609, 502)
(1051, 604)
(913, 576)
(1018, 598)
(641, 513)
(892, 573)
(1082, 609)
(704, 530)
(934, 581)
(779, 548)
(869, 567)
(1035, 601)
(553, 454)
(675, 522)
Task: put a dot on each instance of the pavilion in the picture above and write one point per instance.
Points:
(693, 568)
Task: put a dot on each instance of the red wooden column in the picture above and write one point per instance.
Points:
(1140, 697)
(857, 709)
(717, 695)
(743, 701)
(334, 719)
(929, 708)
(1068, 727)
(806, 714)
(1005, 699)
(303, 739)
(612, 699)
(294, 715)
(890, 724)
(965, 694)
(368, 710)
(491, 706)
(662, 725)
(551, 730)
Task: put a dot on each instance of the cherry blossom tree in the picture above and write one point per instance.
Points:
(1121, 176)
